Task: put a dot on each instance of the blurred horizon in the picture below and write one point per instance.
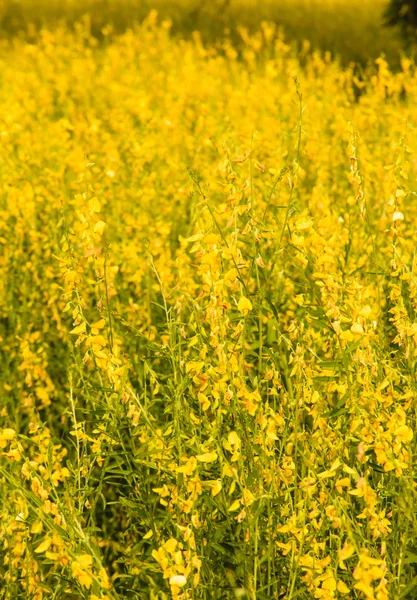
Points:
(353, 31)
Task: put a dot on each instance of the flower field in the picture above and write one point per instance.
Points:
(208, 319)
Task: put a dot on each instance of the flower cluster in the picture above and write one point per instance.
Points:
(208, 319)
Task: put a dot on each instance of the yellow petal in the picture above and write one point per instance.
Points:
(8, 434)
(94, 205)
(244, 305)
(85, 560)
(208, 457)
(36, 527)
(212, 238)
(79, 329)
(329, 584)
(233, 439)
(342, 587)
(85, 578)
(43, 547)
(240, 159)
(347, 551)
(170, 545)
(216, 487)
(234, 506)
(178, 580)
(99, 227)
(99, 324)
(357, 328)
(304, 221)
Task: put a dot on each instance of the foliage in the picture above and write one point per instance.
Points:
(208, 320)
(403, 13)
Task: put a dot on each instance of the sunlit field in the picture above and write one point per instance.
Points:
(208, 317)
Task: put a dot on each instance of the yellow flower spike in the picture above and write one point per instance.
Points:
(244, 305)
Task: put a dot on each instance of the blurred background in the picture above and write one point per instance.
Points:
(354, 30)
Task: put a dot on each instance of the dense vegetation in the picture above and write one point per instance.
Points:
(403, 14)
(208, 319)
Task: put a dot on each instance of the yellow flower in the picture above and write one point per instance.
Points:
(244, 305)
(346, 552)
(6, 436)
(208, 457)
(99, 227)
(81, 569)
(178, 580)
(44, 546)
(403, 434)
(342, 587)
